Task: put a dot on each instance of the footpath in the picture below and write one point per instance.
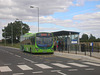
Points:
(77, 57)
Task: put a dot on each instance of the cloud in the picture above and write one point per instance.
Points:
(89, 22)
(50, 19)
(87, 16)
(21, 8)
(82, 2)
(2, 24)
(34, 29)
(12, 9)
(98, 6)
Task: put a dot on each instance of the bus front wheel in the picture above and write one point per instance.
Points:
(22, 48)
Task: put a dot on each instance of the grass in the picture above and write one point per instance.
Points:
(17, 45)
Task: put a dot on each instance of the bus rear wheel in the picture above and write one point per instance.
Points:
(30, 50)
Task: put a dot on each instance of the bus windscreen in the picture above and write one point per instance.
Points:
(44, 40)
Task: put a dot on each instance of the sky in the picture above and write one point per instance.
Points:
(54, 15)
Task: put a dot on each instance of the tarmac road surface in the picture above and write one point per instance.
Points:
(15, 62)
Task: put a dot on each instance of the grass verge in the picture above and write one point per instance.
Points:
(17, 45)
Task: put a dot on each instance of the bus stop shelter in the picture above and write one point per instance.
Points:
(70, 40)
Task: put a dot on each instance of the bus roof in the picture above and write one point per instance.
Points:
(32, 34)
(28, 34)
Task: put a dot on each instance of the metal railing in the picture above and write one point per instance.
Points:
(83, 49)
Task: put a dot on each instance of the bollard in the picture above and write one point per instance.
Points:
(90, 51)
(98, 49)
(68, 48)
(85, 49)
(76, 48)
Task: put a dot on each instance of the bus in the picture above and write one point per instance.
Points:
(37, 43)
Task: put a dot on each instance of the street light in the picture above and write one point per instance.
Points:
(38, 15)
(5, 35)
(12, 33)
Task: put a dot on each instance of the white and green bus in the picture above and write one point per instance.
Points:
(37, 43)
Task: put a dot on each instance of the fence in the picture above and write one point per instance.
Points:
(84, 48)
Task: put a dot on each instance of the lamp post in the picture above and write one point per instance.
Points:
(12, 33)
(5, 36)
(38, 15)
(21, 27)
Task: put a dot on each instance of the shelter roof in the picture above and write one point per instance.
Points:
(60, 33)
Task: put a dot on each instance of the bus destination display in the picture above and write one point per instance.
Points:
(44, 34)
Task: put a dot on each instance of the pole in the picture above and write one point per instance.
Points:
(21, 25)
(38, 15)
(21, 28)
(38, 18)
(90, 51)
(12, 34)
(5, 36)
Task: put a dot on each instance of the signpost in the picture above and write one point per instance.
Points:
(91, 48)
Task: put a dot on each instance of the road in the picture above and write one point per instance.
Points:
(15, 62)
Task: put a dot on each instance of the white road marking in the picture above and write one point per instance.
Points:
(43, 66)
(73, 70)
(18, 73)
(38, 72)
(89, 63)
(58, 71)
(89, 69)
(26, 59)
(55, 70)
(61, 73)
(76, 64)
(21, 63)
(5, 69)
(7, 64)
(29, 60)
(24, 67)
(17, 56)
(61, 65)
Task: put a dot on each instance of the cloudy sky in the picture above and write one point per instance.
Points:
(54, 15)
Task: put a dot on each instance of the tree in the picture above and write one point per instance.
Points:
(14, 30)
(98, 40)
(92, 38)
(84, 38)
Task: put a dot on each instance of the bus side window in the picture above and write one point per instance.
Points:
(33, 40)
(28, 43)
